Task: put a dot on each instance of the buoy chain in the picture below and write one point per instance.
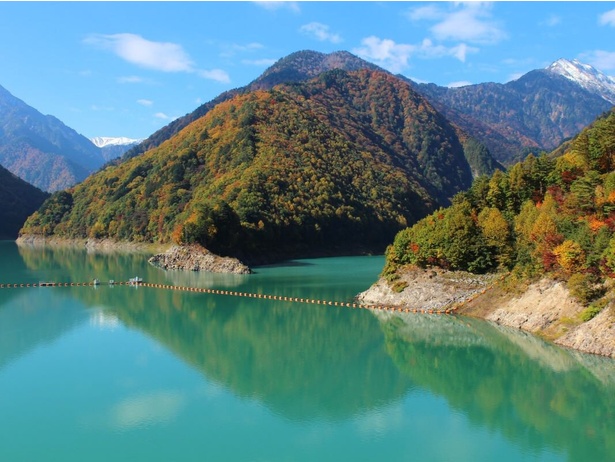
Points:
(403, 309)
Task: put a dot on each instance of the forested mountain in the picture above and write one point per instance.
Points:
(336, 164)
(296, 67)
(18, 200)
(535, 112)
(42, 150)
(552, 214)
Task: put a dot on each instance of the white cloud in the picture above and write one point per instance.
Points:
(145, 102)
(431, 12)
(461, 83)
(215, 74)
(274, 6)
(394, 57)
(607, 19)
(230, 50)
(259, 62)
(386, 53)
(471, 22)
(160, 56)
(130, 79)
(552, 21)
(161, 115)
(320, 32)
(600, 59)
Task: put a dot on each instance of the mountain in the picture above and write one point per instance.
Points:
(42, 150)
(112, 148)
(535, 112)
(333, 165)
(296, 67)
(585, 76)
(18, 200)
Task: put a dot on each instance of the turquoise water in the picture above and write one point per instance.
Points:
(140, 374)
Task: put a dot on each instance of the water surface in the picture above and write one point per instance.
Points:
(119, 373)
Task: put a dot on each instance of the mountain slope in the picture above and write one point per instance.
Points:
(42, 150)
(296, 67)
(536, 112)
(337, 164)
(18, 200)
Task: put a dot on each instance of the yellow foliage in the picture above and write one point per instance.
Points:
(570, 256)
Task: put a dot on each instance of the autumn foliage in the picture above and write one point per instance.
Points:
(335, 165)
(546, 214)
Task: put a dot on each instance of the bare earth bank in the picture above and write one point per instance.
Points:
(544, 308)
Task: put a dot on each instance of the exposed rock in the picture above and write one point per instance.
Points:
(197, 258)
(432, 289)
(538, 309)
(595, 336)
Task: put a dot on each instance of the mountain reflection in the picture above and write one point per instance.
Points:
(303, 362)
(306, 362)
(509, 381)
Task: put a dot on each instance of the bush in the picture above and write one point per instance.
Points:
(592, 311)
(583, 288)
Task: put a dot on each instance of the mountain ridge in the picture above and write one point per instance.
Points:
(505, 144)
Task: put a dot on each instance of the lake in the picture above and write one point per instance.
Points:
(117, 373)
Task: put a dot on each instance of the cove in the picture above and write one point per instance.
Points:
(123, 373)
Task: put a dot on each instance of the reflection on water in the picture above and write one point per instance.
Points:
(506, 380)
(378, 381)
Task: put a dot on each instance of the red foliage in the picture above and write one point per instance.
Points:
(548, 260)
(557, 194)
(568, 176)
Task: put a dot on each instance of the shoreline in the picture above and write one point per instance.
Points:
(544, 308)
(91, 245)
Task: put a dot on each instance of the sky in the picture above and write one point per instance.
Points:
(129, 68)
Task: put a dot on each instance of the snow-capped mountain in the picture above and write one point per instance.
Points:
(586, 76)
(103, 141)
(111, 147)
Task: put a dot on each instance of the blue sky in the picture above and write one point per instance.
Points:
(129, 68)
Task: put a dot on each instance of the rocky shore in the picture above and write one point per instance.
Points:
(197, 258)
(545, 308)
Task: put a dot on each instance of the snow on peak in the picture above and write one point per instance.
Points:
(102, 141)
(586, 76)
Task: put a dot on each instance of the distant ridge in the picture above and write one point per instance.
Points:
(41, 149)
(534, 113)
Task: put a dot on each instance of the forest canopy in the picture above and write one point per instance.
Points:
(545, 214)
